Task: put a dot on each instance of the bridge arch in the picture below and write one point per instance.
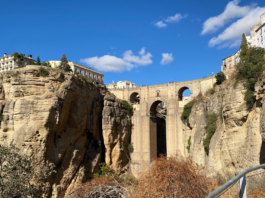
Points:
(157, 129)
(181, 91)
(135, 98)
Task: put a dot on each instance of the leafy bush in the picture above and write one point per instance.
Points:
(212, 91)
(250, 68)
(211, 119)
(43, 71)
(83, 78)
(220, 78)
(127, 107)
(189, 142)
(130, 147)
(105, 170)
(22, 176)
(127, 179)
(186, 113)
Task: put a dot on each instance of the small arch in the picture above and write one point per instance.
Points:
(184, 94)
(135, 98)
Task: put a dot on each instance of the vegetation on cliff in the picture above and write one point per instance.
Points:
(21, 175)
(220, 78)
(250, 68)
(211, 119)
(186, 113)
(64, 64)
(128, 108)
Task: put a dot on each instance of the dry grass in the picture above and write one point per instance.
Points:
(167, 178)
(174, 177)
(257, 193)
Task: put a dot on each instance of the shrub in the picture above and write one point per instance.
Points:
(127, 107)
(189, 142)
(212, 91)
(43, 71)
(250, 68)
(211, 119)
(186, 113)
(130, 148)
(22, 176)
(220, 78)
(249, 97)
(105, 170)
(83, 78)
(127, 179)
(174, 177)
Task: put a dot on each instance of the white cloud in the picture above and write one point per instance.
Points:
(171, 19)
(175, 19)
(166, 58)
(231, 11)
(160, 24)
(144, 59)
(231, 36)
(110, 63)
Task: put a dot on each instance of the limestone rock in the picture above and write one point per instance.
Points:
(239, 140)
(116, 133)
(57, 117)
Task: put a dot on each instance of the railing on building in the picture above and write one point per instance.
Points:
(241, 178)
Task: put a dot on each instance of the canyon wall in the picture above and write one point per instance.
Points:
(59, 118)
(238, 142)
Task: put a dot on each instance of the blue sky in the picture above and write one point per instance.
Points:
(125, 39)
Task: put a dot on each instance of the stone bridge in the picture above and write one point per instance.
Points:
(144, 130)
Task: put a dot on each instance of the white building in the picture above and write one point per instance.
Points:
(261, 36)
(125, 84)
(8, 63)
(83, 70)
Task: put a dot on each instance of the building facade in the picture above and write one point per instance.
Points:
(8, 63)
(260, 36)
(83, 70)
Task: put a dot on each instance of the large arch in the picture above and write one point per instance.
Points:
(157, 132)
(180, 92)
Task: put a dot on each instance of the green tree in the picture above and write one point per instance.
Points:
(18, 58)
(250, 68)
(38, 61)
(21, 175)
(64, 64)
(243, 46)
(220, 78)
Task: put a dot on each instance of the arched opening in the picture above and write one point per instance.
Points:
(184, 94)
(158, 146)
(135, 98)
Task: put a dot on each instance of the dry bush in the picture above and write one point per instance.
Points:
(174, 177)
(257, 193)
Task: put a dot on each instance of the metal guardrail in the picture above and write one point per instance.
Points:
(242, 183)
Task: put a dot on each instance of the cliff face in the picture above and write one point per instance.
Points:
(238, 142)
(57, 117)
(116, 126)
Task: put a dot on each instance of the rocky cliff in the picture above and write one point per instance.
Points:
(59, 117)
(238, 142)
(116, 132)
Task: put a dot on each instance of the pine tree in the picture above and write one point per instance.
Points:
(64, 64)
(38, 61)
(243, 46)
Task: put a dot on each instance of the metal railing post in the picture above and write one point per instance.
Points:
(242, 187)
